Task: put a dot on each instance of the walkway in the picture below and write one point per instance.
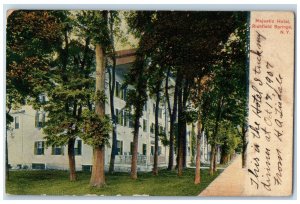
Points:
(230, 182)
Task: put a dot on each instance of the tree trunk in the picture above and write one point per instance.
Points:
(71, 156)
(112, 83)
(184, 128)
(6, 157)
(180, 131)
(215, 133)
(113, 149)
(244, 150)
(184, 154)
(212, 159)
(172, 122)
(134, 158)
(215, 160)
(155, 164)
(114, 120)
(171, 147)
(98, 176)
(224, 157)
(198, 154)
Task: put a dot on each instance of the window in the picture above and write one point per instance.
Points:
(23, 101)
(78, 147)
(159, 150)
(39, 148)
(145, 125)
(130, 120)
(145, 107)
(119, 147)
(120, 93)
(152, 150)
(38, 166)
(125, 94)
(17, 122)
(40, 119)
(161, 129)
(144, 149)
(86, 168)
(159, 112)
(117, 116)
(117, 90)
(153, 108)
(126, 116)
(152, 128)
(120, 116)
(57, 150)
(42, 98)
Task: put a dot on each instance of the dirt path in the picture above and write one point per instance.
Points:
(230, 182)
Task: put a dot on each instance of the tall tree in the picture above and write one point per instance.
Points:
(96, 124)
(196, 98)
(116, 35)
(112, 84)
(186, 41)
(70, 94)
(137, 76)
(136, 98)
(172, 114)
(98, 175)
(32, 38)
(155, 81)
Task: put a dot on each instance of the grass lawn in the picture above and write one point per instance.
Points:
(57, 183)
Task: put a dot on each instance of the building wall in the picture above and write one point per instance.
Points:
(21, 141)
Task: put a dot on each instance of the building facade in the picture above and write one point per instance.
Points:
(27, 147)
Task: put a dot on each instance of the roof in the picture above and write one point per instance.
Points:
(125, 56)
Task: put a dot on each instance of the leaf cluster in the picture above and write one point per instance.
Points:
(95, 129)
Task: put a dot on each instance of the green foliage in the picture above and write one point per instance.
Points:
(191, 115)
(94, 25)
(60, 125)
(100, 96)
(9, 119)
(137, 95)
(95, 129)
(32, 38)
(223, 101)
(228, 138)
(163, 139)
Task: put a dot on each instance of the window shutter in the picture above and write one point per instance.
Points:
(62, 150)
(17, 122)
(43, 119)
(124, 95)
(42, 147)
(121, 149)
(121, 93)
(35, 148)
(53, 150)
(117, 89)
(118, 117)
(36, 119)
(79, 146)
(122, 118)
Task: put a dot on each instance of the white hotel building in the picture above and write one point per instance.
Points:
(27, 149)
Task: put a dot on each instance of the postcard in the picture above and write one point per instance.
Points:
(149, 103)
